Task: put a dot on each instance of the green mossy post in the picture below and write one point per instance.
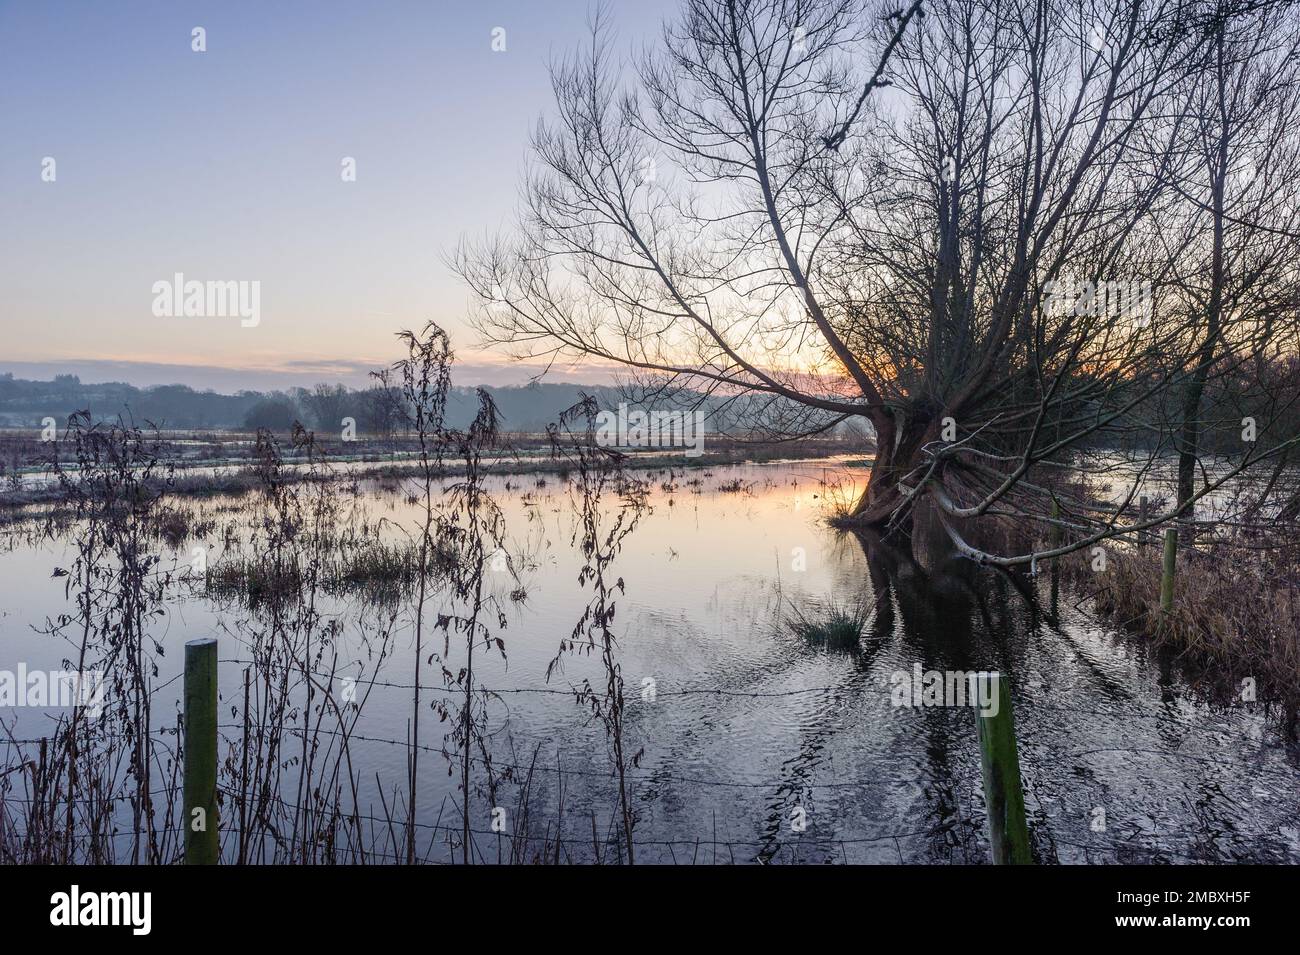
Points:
(1003, 796)
(200, 820)
(1167, 578)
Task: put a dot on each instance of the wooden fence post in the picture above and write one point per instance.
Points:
(200, 799)
(1167, 577)
(1003, 797)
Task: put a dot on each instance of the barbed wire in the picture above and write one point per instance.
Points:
(544, 690)
(1217, 760)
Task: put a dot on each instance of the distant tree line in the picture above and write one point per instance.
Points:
(379, 409)
(376, 409)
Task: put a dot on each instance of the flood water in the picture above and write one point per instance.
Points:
(750, 730)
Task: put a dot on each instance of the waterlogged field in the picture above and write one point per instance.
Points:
(748, 736)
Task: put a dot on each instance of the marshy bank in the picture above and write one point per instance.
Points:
(1234, 617)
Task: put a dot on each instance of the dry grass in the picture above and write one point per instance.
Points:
(1236, 614)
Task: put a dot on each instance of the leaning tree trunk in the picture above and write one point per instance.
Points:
(898, 452)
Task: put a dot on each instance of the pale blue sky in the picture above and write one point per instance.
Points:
(226, 165)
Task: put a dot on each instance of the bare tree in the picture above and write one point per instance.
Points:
(384, 404)
(1236, 268)
(943, 221)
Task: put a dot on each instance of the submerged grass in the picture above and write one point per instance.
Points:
(238, 477)
(836, 627)
(378, 569)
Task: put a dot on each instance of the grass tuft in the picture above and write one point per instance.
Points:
(836, 628)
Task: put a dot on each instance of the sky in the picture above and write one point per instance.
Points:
(227, 166)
